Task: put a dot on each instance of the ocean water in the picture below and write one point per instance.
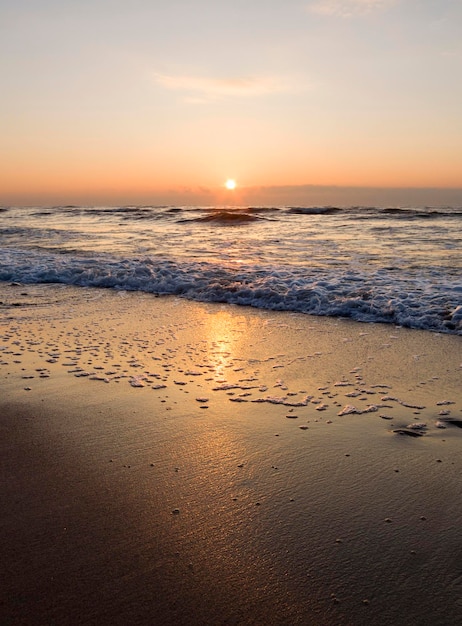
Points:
(372, 264)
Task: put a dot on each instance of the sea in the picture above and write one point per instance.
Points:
(397, 265)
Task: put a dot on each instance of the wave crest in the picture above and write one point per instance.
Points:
(364, 295)
(236, 216)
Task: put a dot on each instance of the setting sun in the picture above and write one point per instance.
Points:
(230, 184)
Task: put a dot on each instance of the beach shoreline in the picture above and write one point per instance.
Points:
(172, 462)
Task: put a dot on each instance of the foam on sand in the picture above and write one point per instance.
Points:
(294, 498)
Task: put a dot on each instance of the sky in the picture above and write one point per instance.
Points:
(156, 102)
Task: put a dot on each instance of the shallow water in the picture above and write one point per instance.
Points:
(385, 264)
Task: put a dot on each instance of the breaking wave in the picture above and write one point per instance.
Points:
(366, 295)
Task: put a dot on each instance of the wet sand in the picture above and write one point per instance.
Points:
(170, 462)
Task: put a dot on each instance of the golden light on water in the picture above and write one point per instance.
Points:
(230, 184)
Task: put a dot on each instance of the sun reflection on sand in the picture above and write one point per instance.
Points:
(224, 338)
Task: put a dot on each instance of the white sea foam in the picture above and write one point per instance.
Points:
(292, 260)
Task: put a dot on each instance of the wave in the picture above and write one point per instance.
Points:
(419, 213)
(379, 212)
(365, 295)
(235, 216)
(314, 210)
(242, 214)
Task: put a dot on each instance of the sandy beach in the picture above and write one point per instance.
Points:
(171, 462)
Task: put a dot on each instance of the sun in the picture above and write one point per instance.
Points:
(230, 184)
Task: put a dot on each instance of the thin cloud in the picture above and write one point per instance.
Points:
(348, 8)
(199, 87)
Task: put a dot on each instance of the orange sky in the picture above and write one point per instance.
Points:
(149, 104)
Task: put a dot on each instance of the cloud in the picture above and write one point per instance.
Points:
(199, 88)
(348, 8)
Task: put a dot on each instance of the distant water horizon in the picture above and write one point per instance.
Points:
(279, 195)
(382, 263)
